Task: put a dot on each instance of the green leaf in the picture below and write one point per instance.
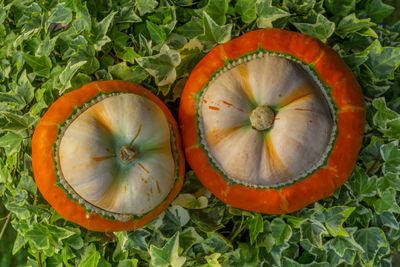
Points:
(374, 243)
(168, 254)
(378, 11)
(212, 260)
(67, 74)
(127, 15)
(11, 142)
(213, 33)
(340, 245)
(280, 231)
(322, 29)
(383, 61)
(256, 226)
(19, 243)
(91, 257)
(351, 24)
(386, 120)
(189, 201)
(128, 263)
(123, 72)
(391, 155)
(193, 28)
(362, 185)
(100, 30)
(157, 33)
(39, 236)
(300, 7)
(341, 8)
(334, 219)
(60, 14)
(267, 13)
(189, 237)
(41, 65)
(13, 122)
(313, 231)
(247, 10)
(145, 6)
(387, 202)
(217, 9)
(161, 66)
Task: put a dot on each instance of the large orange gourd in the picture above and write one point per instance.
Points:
(272, 121)
(107, 156)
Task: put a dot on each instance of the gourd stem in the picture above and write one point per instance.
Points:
(127, 154)
(262, 118)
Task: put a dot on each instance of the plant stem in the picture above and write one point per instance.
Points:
(8, 217)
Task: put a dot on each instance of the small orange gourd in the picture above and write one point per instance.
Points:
(107, 156)
(272, 121)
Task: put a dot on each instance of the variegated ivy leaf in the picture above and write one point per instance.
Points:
(161, 66)
(267, 13)
(167, 255)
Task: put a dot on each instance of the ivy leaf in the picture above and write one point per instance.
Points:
(67, 74)
(161, 66)
(387, 120)
(267, 13)
(341, 8)
(124, 72)
(60, 14)
(157, 33)
(91, 257)
(281, 231)
(313, 231)
(13, 122)
(322, 29)
(11, 142)
(217, 9)
(189, 201)
(100, 30)
(301, 7)
(213, 33)
(39, 236)
(387, 202)
(391, 155)
(41, 65)
(334, 219)
(378, 11)
(168, 254)
(256, 226)
(247, 10)
(351, 24)
(145, 6)
(189, 237)
(383, 61)
(362, 185)
(374, 243)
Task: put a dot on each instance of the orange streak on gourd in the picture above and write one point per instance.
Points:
(45, 136)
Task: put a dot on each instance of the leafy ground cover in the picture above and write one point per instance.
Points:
(50, 47)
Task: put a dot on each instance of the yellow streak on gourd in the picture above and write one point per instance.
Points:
(274, 159)
(301, 92)
(102, 118)
(244, 73)
(351, 108)
(217, 135)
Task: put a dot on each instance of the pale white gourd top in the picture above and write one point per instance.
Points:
(96, 167)
(247, 148)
